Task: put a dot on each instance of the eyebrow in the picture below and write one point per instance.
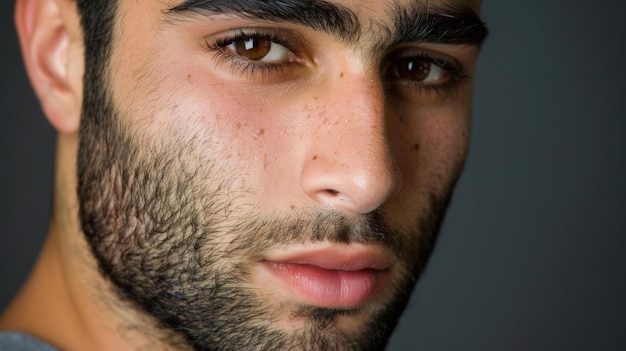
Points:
(319, 15)
(455, 23)
(441, 24)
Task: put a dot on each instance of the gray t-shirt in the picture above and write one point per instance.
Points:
(11, 341)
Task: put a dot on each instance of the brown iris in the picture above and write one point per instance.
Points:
(253, 48)
(414, 69)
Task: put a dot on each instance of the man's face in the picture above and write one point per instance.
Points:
(273, 176)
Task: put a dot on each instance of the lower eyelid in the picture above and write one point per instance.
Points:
(257, 72)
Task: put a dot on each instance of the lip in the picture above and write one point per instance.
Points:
(332, 276)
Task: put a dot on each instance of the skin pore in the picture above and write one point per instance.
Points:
(226, 135)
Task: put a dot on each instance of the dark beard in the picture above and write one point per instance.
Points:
(177, 241)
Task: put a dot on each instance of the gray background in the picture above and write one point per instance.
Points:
(531, 255)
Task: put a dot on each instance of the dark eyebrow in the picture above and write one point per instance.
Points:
(454, 23)
(439, 24)
(319, 15)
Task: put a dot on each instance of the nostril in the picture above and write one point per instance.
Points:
(359, 186)
(336, 197)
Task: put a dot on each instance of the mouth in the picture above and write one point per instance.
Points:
(328, 275)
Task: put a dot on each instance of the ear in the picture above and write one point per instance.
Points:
(51, 42)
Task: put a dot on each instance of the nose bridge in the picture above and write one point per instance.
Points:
(349, 164)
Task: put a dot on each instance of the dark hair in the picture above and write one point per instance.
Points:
(97, 19)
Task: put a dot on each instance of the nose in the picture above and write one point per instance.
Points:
(348, 164)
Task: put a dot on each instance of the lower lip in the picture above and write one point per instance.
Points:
(325, 287)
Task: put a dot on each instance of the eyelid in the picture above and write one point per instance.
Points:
(259, 71)
(287, 38)
(424, 92)
(448, 63)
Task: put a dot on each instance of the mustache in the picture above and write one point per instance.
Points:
(310, 226)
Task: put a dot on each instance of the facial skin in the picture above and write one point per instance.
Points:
(254, 182)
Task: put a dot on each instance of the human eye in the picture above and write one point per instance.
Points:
(422, 75)
(266, 54)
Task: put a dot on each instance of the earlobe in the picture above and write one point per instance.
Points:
(51, 44)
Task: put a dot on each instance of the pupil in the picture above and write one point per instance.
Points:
(414, 69)
(253, 48)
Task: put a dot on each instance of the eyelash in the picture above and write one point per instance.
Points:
(457, 75)
(243, 67)
(249, 69)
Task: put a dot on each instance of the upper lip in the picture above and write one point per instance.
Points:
(338, 257)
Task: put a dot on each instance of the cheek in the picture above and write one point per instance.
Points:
(250, 139)
(431, 146)
(430, 149)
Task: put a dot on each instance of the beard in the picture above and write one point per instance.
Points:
(178, 240)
